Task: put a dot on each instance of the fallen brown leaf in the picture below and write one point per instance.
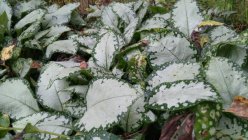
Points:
(239, 107)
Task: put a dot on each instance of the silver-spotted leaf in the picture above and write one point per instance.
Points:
(186, 16)
(45, 121)
(227, 78)
(174, 72)
(17, 98)
(181, 95)
(107, 100)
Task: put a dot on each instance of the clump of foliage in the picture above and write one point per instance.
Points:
(123, 72)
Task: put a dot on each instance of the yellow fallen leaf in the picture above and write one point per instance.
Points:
(7, 52)
(204, 39)
(239, 107)
(209, 23)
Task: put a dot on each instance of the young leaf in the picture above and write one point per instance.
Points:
(62, 46)
(17, 99)
(227, 78)
(181, 95)
(173, 72)
(186, 16)
(170, 49)
(207, 115)
(105, 109)
(47, 122)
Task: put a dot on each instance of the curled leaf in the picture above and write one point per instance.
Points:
(239, 107)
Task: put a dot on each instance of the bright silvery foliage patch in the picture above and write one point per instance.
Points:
(120, 69)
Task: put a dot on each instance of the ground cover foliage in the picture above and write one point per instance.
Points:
(124, 71)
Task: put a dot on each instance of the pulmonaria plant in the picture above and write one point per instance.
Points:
(119, 72)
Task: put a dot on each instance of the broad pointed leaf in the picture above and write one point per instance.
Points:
(17, 99)
(221, 34)
(106, 108)
(60, 16)
(51, 86)
(170, 49)
(62, 46)
(47, 122)
(227, 78)
(181, 95)
(5, 7)
(32, 17)
(173, 72)
(158, 21)
(186, 16)
(104, 51)
(230, 127)
(27, 6)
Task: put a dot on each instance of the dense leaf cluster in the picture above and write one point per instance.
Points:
(124, 71)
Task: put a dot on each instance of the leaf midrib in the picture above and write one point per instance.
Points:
(19, 102)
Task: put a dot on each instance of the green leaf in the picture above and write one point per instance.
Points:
(18, 103)
(106, 109)
(32, 17)
(3, 25)
(173, 72)
(5, 123)
(62, 46)
(207, 115)
(5, 8)
(105, 50)
(186, 16)
(52, 84)
(227, 78)
(29, 128)
(181, 95)
(170, 49)
(47, 122)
